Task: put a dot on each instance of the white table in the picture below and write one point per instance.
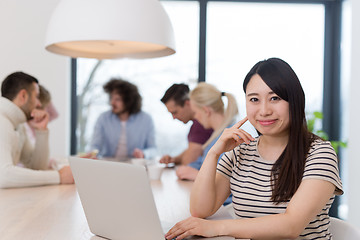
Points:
(55, 212)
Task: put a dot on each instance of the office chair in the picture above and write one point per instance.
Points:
(342, 230)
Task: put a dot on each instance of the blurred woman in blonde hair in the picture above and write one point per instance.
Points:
(207, 103)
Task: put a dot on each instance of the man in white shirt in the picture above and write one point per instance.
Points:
(18, 104)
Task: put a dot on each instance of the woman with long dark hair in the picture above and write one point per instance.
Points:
(283, 181)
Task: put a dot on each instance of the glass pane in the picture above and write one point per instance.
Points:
(241, 34)
(152, 76)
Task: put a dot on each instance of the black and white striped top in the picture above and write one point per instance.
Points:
(250, 175)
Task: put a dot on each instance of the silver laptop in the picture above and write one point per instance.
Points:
(117, 199)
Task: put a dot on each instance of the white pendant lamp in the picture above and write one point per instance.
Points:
(106, 29)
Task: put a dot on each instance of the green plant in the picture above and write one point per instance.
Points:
(312, 122)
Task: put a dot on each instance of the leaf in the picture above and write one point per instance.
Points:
(322, 134)
(318, 115)
(335, 144)
(343, 144)
(311, 127)
(310, 124)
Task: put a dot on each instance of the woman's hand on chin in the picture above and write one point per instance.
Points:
(231, 137)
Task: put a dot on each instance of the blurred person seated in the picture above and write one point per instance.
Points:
(208, 106)
(19, 103)
(177, 102)
(125, 131)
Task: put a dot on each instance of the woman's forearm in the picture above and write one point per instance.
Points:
(277, 226)
(203, 193)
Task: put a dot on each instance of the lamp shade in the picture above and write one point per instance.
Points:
(107, 29)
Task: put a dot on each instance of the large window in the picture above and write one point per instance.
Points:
(152, 76)
(241, 34)
(218, 42)
(238, 35)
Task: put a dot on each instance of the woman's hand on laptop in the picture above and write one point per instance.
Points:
(193, 226)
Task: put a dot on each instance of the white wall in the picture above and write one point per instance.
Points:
(23, 26)
(354, 118)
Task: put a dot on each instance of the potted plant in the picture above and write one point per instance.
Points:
(312, 124)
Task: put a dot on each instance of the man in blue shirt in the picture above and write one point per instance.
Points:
(124, 131)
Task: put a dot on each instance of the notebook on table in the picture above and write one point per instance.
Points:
(117, 200)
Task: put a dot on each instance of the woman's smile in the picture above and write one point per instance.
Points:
(267, 122)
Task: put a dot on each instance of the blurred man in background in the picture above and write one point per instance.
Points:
(177, 102)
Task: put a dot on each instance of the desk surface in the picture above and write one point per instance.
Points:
(55, 212)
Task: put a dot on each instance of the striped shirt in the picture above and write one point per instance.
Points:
(250, 184)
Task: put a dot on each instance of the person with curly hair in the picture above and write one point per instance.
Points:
(125, 131)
